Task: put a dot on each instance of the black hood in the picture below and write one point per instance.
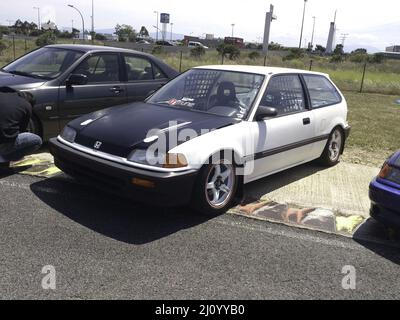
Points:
(121, 129)
(19, 82)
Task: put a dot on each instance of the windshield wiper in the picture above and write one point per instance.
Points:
(26, 74)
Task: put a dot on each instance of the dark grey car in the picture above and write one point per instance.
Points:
(71, 80)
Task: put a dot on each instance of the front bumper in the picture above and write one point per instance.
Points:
(168, 188)
(385, 206)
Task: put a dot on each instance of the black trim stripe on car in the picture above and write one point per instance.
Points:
(271, 152)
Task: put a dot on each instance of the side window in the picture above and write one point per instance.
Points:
(138, 69)
(100, 68)
(285, 93)
(158, 74)
(322, 92)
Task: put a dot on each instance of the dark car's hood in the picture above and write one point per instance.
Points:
(19, 82)
(123, 128)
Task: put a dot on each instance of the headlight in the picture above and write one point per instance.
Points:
(68, 134)
(168, 161)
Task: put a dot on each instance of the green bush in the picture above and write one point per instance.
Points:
(336, 58)
(254, 55)
(198, 52)
(294, 53)
(157, 50)
(358, 57)
(3, 47)
(46, 39)
(228, 50)
(377, 58)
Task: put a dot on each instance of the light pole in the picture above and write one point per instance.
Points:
(233, 28)
(171, 29)
(38, 10)
(156, 12)
(92, 19)
(313, 31)
(302, 24)
(83, 21)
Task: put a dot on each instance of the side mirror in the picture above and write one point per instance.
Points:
(264, 112)
(77, 80)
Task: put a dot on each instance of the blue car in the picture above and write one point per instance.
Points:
(384, 192)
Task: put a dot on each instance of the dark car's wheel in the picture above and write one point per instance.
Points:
(215, 188)
(331, 155)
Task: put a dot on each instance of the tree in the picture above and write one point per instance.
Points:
(359, 51)
(320, 49)
(125, 33)
(143, 32)
(100, 37)
(228, 50)
(4, 30)
(46, 39)
(338, 50)
(197, 52)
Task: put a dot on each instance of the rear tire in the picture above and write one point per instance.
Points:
(333, 149)
(215, 188)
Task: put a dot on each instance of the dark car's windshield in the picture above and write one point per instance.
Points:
(46, 63)
(225, 93)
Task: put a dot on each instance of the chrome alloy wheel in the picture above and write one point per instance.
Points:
(335, 145)
(220, 184)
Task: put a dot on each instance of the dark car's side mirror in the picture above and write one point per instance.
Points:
(77, 80)
(264, 112)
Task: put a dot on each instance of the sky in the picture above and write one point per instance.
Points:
(370, 24)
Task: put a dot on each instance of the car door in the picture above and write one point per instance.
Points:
(104, 87)
(142, 77)
(286, 139)
(327, 105)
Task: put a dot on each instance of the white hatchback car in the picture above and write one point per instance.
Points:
(207, 133)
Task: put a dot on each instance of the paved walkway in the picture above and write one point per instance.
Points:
(343, 188)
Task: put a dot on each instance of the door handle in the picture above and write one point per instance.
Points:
(306, 121)
(116, 90)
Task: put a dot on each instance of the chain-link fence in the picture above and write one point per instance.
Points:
(364, 77)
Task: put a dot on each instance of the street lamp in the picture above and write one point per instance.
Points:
(83, 21)
(92, 19)
(156, 12)
(38, 10)
(171, 29)
(233, 27)
(313, 30)
(302, 24)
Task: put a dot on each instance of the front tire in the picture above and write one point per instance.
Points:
(333, 150)
(215, 189)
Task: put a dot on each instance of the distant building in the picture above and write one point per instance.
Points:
(393, 49)
(237, 42)
(209, 36)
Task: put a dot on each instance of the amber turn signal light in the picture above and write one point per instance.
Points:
(143, 183)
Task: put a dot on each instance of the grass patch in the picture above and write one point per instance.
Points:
(374, 119)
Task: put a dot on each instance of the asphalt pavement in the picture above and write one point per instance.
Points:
(104, 247)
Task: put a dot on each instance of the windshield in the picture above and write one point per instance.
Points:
(46, 63)
(225, 93)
